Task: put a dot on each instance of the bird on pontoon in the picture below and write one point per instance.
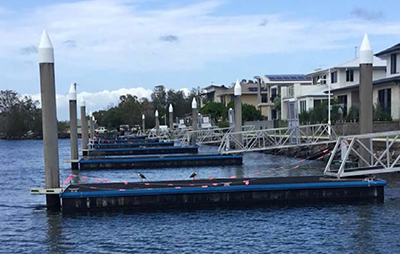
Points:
(141, 176)
(193, 175)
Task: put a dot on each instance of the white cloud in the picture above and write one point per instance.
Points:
(119, 35)
(96, 101)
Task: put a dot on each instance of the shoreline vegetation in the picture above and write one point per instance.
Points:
(21, 116)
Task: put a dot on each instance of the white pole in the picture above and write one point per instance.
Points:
(49, 118)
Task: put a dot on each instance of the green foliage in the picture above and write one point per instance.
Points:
(18, 114)
(249, 112)
(216, 110)
(381, 115)
(130, 108)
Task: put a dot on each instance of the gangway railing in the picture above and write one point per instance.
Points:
(209, 135)
(267, 139)
(361, 155)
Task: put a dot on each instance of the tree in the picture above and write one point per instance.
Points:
(18, 115)
(249, 112)
(216, 110)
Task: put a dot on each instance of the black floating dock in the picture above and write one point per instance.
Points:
(217, 192)
(130, 145)
(123, 140)
(142, 151)
(160, 161)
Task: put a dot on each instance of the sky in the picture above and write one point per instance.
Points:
(114, 47)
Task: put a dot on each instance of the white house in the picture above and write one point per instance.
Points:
(286, 86)
(386, 91)
(342, 79)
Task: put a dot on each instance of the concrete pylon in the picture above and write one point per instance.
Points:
(73, 125)
(143, 124)
(194, 121)
(231, 117)
(366, 102)
(171, 117)
(49, 118)
(84, 126)
(91, 122)
(157, 120)
(238, 110)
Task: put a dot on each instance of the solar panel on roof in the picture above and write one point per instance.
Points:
(287, 77)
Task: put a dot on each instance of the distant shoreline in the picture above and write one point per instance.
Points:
(32, 137)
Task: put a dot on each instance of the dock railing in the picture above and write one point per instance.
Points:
(259, 140)
(365, 154)
(209, 135)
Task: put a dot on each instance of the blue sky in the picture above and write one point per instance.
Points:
(131, 46)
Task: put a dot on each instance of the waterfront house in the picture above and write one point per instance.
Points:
(287, 88)
(343, 80)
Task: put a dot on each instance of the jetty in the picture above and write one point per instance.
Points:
(345, 180)
(217, 192)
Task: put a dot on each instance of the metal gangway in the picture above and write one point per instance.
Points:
(366, 154)
(276, 138)
(209, 136)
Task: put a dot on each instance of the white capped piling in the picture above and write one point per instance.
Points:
(171, 117)
(157, 120)
(237, 90)
(49, 118)
(73, 122)
(365, 93)
(84, 126)
(194, 121)
(91, 122)
(231, 118)
(143, 124)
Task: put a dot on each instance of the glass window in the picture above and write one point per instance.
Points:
(385, 100)
(343, 103)
(264, 98)
(333, 77)
(303, 106)
(393, 63)
(349, 75)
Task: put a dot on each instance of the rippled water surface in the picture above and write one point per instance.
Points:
(27, 227)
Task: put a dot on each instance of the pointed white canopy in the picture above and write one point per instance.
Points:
(72, 92)
(83, 102)
(171, 109)
(366, 55)
(156, 114)
(237, 90)
(194, 103)
(45, 49)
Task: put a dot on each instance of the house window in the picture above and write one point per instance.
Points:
(343, 103)
(264, 98)
(334, 77)
(273, 94)
(385, 101)
(302, 106)
(317, 103)
(349, 75)
(393, 63)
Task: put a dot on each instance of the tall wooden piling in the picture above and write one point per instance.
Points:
(143, 124)
(49, 118)
(366, 102)
(157, 120)
(238, 110)
(91, 122)
(84, 126)
(194, 121)
(73, 123)
(171, 117)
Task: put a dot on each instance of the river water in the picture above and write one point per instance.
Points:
(27, 227)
